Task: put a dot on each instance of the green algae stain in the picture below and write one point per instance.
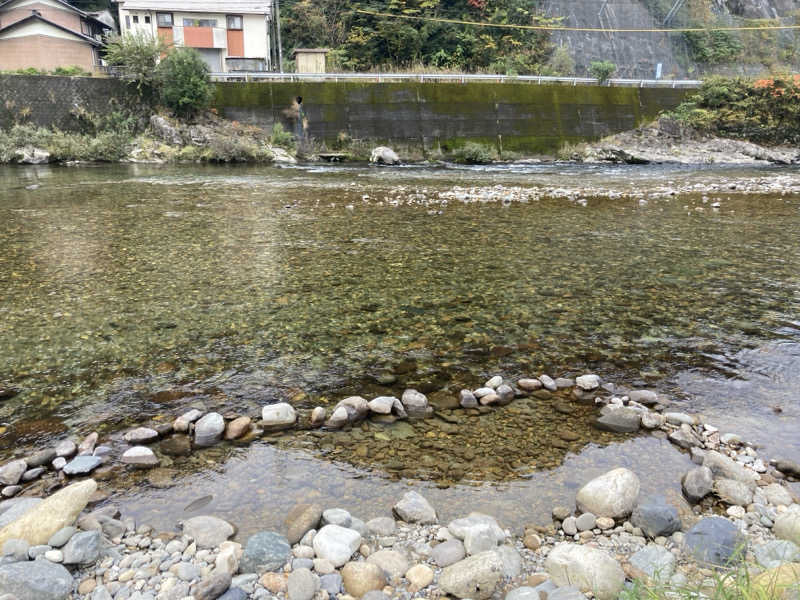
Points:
(527, 117)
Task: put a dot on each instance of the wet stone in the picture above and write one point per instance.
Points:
(42, 458)
(66, 449)
(265, 551)
(621, 420)
(141, 435)
(176, 445)
(140, 457)
(81, 465)
(209, 429)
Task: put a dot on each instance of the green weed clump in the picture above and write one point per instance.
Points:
(736, 582)
(229, 149)
(281, 138)
(473, 153)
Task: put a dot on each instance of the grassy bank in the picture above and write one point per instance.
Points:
(765, 111)
(127, 138)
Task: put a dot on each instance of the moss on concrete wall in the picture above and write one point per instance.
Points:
(518, 117)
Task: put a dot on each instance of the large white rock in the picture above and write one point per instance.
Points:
(725, 467)
(414, 508)
(588, 382)
(613, 494)
(384, 156)
(37, 525)
(208, 531)
(415, 403)
(209, 429)
(778, 495)
(278, 416)
(337, 419)
(587, 568)
(337, 544)
(460, 528)
(474, 577)
(384, 405)
(787, 525)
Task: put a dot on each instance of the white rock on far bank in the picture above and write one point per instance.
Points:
(383, 155)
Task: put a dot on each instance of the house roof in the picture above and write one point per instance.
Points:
(37, 17)
(66, 4)
(4, 3)
(258, 7)
(311, 50)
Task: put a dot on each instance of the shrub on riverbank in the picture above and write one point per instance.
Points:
(765, 111)
(184, 83)
(104, 146)
(473, 153)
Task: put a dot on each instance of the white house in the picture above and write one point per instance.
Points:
(236, 35)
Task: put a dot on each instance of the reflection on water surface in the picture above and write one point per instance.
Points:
(129, 293)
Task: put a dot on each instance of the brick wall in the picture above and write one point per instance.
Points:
(45, 53)
(51, 101)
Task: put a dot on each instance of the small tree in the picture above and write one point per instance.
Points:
(602, 70)
(138, 55)
(184, 82)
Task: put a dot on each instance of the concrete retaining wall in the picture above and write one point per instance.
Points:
(51, 101)
(517, 117)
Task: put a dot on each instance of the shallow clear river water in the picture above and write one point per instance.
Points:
(129, 293)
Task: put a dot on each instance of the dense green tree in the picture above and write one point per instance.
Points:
(362, 41)
(183, 82)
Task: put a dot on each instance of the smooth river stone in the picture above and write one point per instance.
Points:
(37, 525)
(613, 494)
(141, 435)
(81, 465)
(208, 531)
(278, 416)
(208, 430)
(140, 456)
(35, 580)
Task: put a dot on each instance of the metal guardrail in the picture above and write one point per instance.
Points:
(452, 78)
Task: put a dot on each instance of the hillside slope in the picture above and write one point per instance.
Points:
(681, 55)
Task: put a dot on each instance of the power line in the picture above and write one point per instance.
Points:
(584, 29)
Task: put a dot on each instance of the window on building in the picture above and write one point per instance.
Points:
(199, 22)
(164, 19)
(85, 29)
(147, 19)
(127, 21)
(135, 19)
(234, 22)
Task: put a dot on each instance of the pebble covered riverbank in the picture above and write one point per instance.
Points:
(735, 506)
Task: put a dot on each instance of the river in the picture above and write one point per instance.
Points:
(129, 293)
